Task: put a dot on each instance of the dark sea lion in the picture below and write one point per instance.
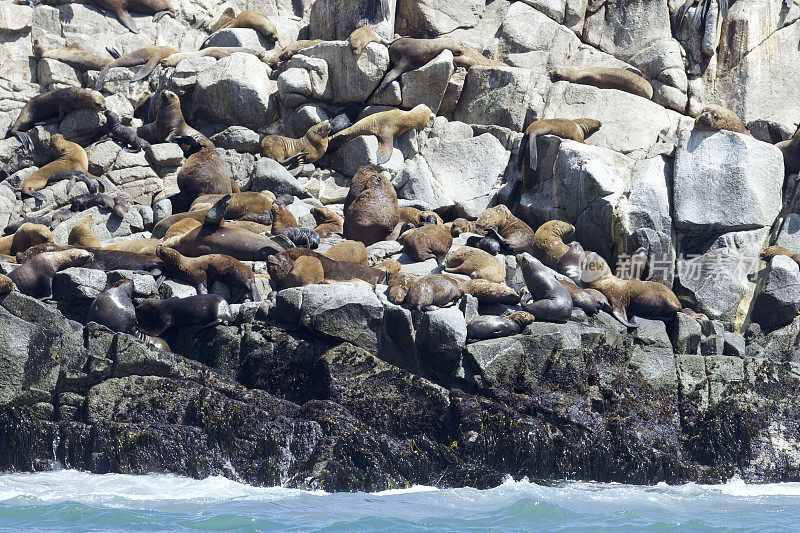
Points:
(548, 241)
(491, 327)
(352, 251)
(303, 237)
(513, 234)
(92, 184)
(246, 19)
(606, 78)
(386, 126)
(716, 118)
(487, 244)
(462, 225)
(314, 143)
(432, 241)
(550, 301)
(73, 55)
(370, 209)
(35, 277)
(476, 263)
(328, 221)
(6, 285)
(333, 270)
(26, 236)
(488, 293)
(435, 290)
(570, 263)
(149, 57)
(155, 316)
(68, 156)
(581, 299)
(576, 130)
(203, 271)
(124, 136)
(108, 260)
(33, 251)
(11, 168)
(170, 123)
(647, 299)
(791, 153)
(114, 308)
(87, 201)
(82, 234)
(52, 106)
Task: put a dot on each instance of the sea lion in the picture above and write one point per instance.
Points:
(370, 209)
(282, 218)
(149, 57)
(155, 316)
(107, 260)
(92, 184)
(52, 106)
(476, 264)
(432, 241)
(138, 246)
(293, 48)
(435, 290)
(240, 204)
(42, 221)
(492, 327)
(328, 221)
(33, 251)
(632, 266)
(570, 263)
(389, 265)
(73, 55)
(68, 156)
(27, 236)
(352, 251)
(548, 241)
(469, 57)
(304, 237)
(606, 78)
(489, 245)
(549, 300)
(577, 130)
(462, 225)
(648, 299)
(122, 8)
(124, 136)
(286, 272)
(418, 217)
(203, 271)
(87, 201)
(314, 144)
(791, 153)
(12, 168)
(399, 286)
(82, 234)
(716, 118)
(361, 37)
(489, 293)
(6, 285)
(217, 52)
(246, 19)
(35, 277)
(203, 172)
(386, 126)
(114, 309)
(513, 234)
(581, 299)
(334, 270)
(772, 251)
(170, 123)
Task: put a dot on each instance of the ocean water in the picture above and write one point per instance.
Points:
(76, 501)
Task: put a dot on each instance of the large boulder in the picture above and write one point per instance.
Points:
(427, 84)
(778, 303)
(349, 78)
(502, 96)
(335, 20)
(432, 18)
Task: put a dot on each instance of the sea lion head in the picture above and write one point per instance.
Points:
(595, 268)
(6, 285)
(169, 98)
(715, 118)
(98, 101)
(58, 145)
(323, 214)
(493, 217)
(320, 131)
(523, 318)
(419, 116)
(588, 125)
(527, 262)
(459, 226)
(76, 257)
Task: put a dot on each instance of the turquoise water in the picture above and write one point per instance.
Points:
(66, 499)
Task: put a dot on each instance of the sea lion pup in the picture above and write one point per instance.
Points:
(772, 251)
(314, 143)
(548, 241)
(156, 316)
(328, 221)
(216, 237)
(419, 217)
(512, 233)
(489, 293)
(302, 237)
(398, 287)
(246, 19)
(203, 271)
(170, 123)
(149, 57)
(73, 55)
(82, 234)
(51, 107)
(114, 309)
(462, 225)
(124, 136)
(716, 118)
(549, 300)
(11, 168)
(364, 35)
(577, 130)
(282, 218)
(476, 264)
(6, 285)
(606, 78)
(432, 241)
(648, 299)
(370, 208)
(334, 270)
(68, 156)
(435, 290)
(27, 236)
(35, 277)
(492, 327)
(386, 126)
(570, 263)
(92, 184)
(352, 251)
(791, 153)
(582, 299)
(487, 244)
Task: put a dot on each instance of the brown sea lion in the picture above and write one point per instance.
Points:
(435, 290)
(107, 260)
(492, 327)
(314, 143)
(170, 123)
(581, 299)
(155, 316)
(647, 299)
(606, 78)
(52, 106)
(114, 308)
(570, 263)
(353, 251)
(772, 251)
(361, 37)
(6, 285)
(462, 225)
(217, 52)
(286, 272)
(328, 221)
(428, 242)
(240, 203)
(27, 236)
(469, 57)
(399, 286)
(35, 276)
(386, 126)
(389, 265)
(82, 234)
(370, 209)
(490, 293)
(418, 217)
(73, 55)
(549, 300)
(476, 264)
(334, 270)
(513, 234)
(204, 172)
(149, 57)
(122, 8)
(246, 19)
(716, 118)
(548, 241)
(68, 156)
(282, 218)
(139, 246)
(791, 153)
(203, 271)
(577, 130)
(291, 49)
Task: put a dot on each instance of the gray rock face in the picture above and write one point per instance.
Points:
(429, 18)
(335, 20)
(350, 78)
(427, 84)
(778, 303)
(269, 175)
(235, 37)
(502, 96)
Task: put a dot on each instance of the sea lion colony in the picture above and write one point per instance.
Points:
(216, 238)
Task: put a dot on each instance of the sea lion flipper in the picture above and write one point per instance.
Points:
(216, 214)
(158, 16)
(25, 139)
(126, 20)
(113, 52)
(533, 152)
(296, 161)
(385, 149)
(146, 69)
(101, 78)
(619, 312)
